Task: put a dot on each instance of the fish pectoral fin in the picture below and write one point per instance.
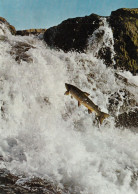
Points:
(66, 93)
(71, 96)
(79, 103)
(86, 94)
(89, 111)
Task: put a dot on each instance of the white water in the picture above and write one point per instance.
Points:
(96, 42)
(44, 133)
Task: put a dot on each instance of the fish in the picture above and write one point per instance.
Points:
(82, 98)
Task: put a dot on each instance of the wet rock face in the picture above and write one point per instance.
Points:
(124, 104)
(125, 27)
(121, 102)
(72, 34)
(128, 119)
(105, 54)
(10, 183)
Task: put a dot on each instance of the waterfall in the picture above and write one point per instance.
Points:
(44, 133)
(102, 41)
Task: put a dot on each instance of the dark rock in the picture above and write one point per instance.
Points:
(105, 54)
(121, 102)
(30, 31)
(129, 119)
(125, 27)
(13, 184)
(72, 34)
(120, 77)
(103, 50)
(6, 177)
(10, 27)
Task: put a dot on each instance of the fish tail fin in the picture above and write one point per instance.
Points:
(66, 93)
(103, 116)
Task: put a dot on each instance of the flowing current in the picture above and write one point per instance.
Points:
(45, 134)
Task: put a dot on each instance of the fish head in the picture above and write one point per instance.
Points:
(68, 86)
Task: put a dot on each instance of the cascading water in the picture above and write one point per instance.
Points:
(102, 39)
(45, 134)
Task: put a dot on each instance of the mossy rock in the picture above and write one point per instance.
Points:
(124, 23)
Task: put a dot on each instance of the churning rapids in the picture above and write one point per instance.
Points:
(45, 134)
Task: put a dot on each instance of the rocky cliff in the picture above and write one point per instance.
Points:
(73, 34)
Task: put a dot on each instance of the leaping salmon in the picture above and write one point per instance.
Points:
(82, 98)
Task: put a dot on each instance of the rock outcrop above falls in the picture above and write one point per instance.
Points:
(124, 23)
(10, 27)
(30, 31)
(21, 32)
(73, 34)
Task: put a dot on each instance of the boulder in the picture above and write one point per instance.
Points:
(124, 23)
(72, 34)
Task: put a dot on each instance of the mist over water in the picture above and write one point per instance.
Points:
(44, 133)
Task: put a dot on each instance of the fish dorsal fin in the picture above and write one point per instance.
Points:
(79, 103)
(66, 93)
(86, 94)
(89, 111)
